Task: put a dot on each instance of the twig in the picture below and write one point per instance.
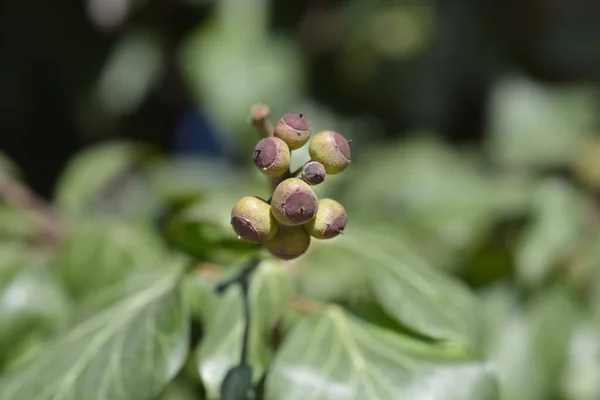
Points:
(18, 195)
(259, 117)
(242, 279)
(306, 305)
(244, 285)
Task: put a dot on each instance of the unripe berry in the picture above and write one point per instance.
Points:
(252, 220)
(294, 129)
(289, 242)
(313, 173)
(330, 221)
(272, 156)
(294, 202)
(330, 149)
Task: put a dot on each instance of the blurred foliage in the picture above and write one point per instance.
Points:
(470, 270)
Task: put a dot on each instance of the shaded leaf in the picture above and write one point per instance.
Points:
(237, 383)
(530, 348)
(100, 251)
(105, 178)
(180, 389)
(204, 229)
(445, 200)
(418, 296)
(185, 180)
(580, 378)
(33, 307)
(130, 71)
(220, 349)
(129, 350)
(199, 294)
(559, 217)
(14, 255)
(219, 58)
(16, 223)
(336, 356)
(533, 125)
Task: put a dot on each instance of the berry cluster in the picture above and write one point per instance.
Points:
(285, 223)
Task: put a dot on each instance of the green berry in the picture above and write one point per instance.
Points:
(294, 129)
(272, 156)
(330, 221)
(330, 149)
(313, 173)
(289, 242)
(294, 202)
(252, 219)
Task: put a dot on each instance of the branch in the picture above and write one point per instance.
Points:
(259, 118)
(237, 382)
(18, 195)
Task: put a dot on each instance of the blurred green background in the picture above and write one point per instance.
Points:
(470, 268)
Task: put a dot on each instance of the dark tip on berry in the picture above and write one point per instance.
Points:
(265, 153)
(336, 226)
(244, 229)
(314, 173)
(299, 205)
(342, 145)
(296, 121)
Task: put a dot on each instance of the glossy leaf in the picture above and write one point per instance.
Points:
(415, 294)
(334, 355)
(100, 252)
(220, 349)
(559, 215)
(129, 350)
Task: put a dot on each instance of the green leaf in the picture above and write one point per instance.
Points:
(530, 349)
(334, 355)
(33, 306)
(16, 223)
(580, 377)
(534, 125)
(185, 180)
(220, 350)
(444, 199)
(180, 389)
(237, 383)
(204, 229)
(418, 296)
(199, 295)
(13, 256)
(100, 251)
(217, 62)
(105, 178)
(560, 213)
(129, 350)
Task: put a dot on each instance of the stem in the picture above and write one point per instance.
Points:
(259, 118)
(244, 284)
(243, 279)
(18, 195)
(298, 171)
